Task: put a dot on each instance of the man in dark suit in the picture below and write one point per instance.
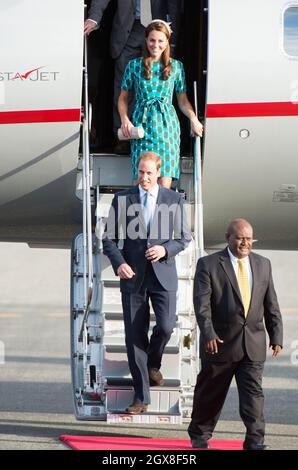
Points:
(233, 296)
(128, 33)
(150, 223)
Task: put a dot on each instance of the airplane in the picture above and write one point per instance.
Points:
(242, 55)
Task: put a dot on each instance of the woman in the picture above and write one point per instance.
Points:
(154, 77)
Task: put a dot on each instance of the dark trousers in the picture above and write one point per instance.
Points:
(142, 353)
(211, 389)
(132, 49)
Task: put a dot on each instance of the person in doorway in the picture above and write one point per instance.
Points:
(152, 222)
(127, 38)
(233, 296)
(154, 77)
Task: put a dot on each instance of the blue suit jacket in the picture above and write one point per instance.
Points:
(126, 225)
(125, 16)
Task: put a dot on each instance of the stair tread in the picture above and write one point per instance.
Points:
(159, 413)
(125, 382)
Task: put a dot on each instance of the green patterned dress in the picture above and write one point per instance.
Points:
(155, 112)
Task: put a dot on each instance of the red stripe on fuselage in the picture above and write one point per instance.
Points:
(234, 110)
(43, 115)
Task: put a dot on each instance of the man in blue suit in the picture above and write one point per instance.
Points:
(151, 224)
(128, 33)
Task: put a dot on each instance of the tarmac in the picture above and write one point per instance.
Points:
(35, 389)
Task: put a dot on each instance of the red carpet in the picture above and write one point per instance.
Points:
(141, 443)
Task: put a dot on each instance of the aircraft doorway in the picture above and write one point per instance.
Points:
(190, 49)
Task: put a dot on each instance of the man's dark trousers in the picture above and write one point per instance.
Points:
(142, 353)
(211, 389)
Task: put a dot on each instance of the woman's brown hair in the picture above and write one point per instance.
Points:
(165, 57)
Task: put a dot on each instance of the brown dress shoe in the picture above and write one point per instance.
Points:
(155, 377)
(136, 408)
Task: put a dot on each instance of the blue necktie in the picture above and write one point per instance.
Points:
(147, 210)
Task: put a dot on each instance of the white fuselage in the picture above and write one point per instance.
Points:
(250, 157)
(40, 107)
(250, 164)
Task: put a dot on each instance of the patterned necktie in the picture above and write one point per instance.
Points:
(147, 210)
(145, 12)
(244, 286)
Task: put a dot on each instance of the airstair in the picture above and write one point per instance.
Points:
(102, 385)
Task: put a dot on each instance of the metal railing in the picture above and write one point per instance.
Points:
(198, 216)
(198, 222)
(87, 220)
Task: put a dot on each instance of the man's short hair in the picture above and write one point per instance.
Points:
(154, 157)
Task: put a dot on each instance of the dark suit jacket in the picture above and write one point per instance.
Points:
(220, 312)
(171, 232)
(124, 18)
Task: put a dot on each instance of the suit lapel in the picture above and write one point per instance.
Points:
(161, 199)
(226, 264)
(134, 199)
(255, 275)
(134, 196)
(228, 268)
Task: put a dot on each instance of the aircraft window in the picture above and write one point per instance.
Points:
(291, 31)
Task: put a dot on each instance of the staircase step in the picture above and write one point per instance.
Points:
(144, 418)
(163, 400)
(111, 283)
(127, 382)
(118, 315)
(111, 171)
(119, 348)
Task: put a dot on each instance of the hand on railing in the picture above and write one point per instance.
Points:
(196, 127)
(90, 26)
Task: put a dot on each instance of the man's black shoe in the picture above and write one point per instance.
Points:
(254, 446)
(199, 443)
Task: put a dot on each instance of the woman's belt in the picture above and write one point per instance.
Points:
(161, 103)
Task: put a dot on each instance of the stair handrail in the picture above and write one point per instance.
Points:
(87, 218)
(198, 199)
(198, 222)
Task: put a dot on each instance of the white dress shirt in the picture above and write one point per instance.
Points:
(234, 261)
(152, 199)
